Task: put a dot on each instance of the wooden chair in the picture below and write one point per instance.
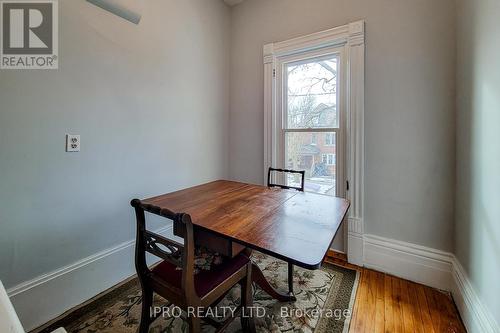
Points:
(285, 171)
(175, 278)
(301, 188)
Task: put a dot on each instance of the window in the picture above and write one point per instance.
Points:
(328, 159)
(314, 139)
(312, 123)
(329, 139)
(316, 123)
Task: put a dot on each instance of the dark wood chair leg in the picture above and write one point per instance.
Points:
(247, 320)
(290, 279)
(147, 302)
(194, 324)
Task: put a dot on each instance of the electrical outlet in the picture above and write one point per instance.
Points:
(72, 143)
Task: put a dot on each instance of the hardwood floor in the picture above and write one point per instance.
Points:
(385, 303)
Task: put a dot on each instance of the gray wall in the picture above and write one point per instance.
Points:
(477, 233)
(410, 101)
(151, 104)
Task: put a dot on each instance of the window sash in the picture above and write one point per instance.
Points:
(303, 59)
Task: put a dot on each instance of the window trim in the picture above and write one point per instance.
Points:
(351, 37)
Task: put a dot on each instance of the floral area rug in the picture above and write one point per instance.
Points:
(324, 303)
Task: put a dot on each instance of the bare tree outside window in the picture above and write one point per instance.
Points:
(311, 111)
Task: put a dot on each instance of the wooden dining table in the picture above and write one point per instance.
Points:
(230, 217)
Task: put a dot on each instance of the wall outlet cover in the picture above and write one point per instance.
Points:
(72, 143)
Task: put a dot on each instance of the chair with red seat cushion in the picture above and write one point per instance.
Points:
(179, 280)
(204, 280)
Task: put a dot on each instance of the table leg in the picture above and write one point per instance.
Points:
(259, 278)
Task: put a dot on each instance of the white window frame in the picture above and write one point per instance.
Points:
(351, 39)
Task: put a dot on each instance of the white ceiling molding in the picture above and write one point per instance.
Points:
(233, 2)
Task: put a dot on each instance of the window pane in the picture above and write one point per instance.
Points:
(318, 160)
(312, 94)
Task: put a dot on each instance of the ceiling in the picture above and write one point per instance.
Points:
(233, 2)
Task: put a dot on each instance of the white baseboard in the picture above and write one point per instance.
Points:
(433, 268)
(47, 296)
(476, 317)
(409, 261)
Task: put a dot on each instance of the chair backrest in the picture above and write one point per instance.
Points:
(285, 171)
(180, 255)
